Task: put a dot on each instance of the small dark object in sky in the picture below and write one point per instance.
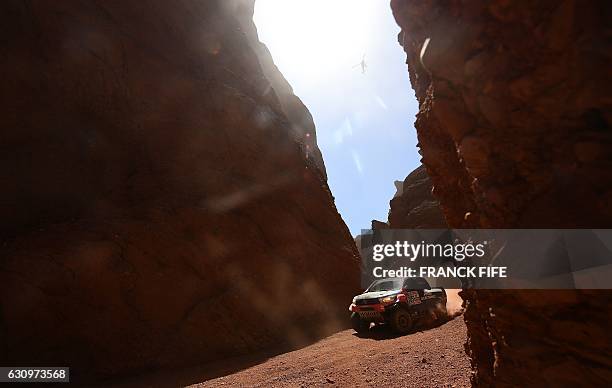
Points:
(362, 64)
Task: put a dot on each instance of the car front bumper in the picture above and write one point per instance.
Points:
(372, 312)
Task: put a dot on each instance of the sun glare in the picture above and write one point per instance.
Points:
(342, 59)
(320, 39)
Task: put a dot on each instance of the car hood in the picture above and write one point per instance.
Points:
(376, 294)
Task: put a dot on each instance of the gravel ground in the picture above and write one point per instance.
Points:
(430, 358)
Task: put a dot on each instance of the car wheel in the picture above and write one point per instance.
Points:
(401, 321)
(359, 325)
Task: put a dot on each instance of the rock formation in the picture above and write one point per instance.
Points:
(163, 200)
(302, 123)
(413, 206)
(514, 129)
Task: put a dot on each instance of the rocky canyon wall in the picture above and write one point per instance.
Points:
(413, 206)
(163, 200)
(514, 129)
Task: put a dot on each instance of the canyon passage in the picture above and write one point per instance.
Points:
(165, 203)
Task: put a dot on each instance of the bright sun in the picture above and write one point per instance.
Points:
(315, 40)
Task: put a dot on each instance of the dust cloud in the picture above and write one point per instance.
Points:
(454, 303)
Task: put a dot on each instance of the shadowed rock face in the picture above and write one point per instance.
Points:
(514, 129)
(161, 201)
(413, 206)
(302, 123)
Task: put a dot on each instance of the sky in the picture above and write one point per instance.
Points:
(364, 121)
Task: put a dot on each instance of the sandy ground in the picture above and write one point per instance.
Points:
(431, 358)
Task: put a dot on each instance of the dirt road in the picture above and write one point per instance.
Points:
(427, 358)
(431, 358)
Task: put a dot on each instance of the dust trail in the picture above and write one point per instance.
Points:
(454, 303)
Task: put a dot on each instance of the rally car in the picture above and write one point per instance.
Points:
(401, 303)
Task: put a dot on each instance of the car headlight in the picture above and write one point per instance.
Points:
(388, 299)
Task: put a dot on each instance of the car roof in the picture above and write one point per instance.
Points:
(399, 281)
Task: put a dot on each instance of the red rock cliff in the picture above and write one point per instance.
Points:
(413, 206)
(161, 203)
(514, 128)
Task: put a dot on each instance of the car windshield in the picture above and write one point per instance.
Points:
(416, 284)
(385, 285)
